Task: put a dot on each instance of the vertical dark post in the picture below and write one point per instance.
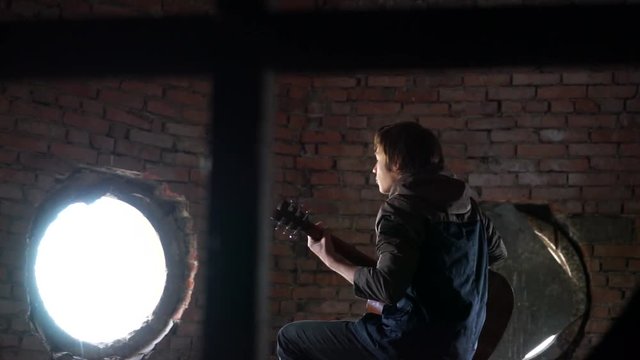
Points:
(238, 215)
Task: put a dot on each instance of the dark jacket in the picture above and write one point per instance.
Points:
(434, 247)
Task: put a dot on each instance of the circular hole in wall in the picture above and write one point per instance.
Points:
(89, 256)
(111, 262)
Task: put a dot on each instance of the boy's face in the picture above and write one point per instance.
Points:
(384, 177)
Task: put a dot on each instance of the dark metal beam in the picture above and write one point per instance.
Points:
(325, 41)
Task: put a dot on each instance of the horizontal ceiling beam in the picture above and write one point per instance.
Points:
(324, 41)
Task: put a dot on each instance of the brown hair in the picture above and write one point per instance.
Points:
(410, 147)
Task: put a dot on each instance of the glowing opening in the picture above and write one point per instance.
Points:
(540, 348)
(100, 270)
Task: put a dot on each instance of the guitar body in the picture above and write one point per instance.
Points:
(500, 301)
(500, 298)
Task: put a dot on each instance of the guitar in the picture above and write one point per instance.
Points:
(290, 218)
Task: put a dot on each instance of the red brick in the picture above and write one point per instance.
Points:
(633, 105)
(491, 150)
(605, 192)
(612, 91)
(491, 123)
(561, 92)
(321, 137)
(336, 94)
(121, 98)
(388, 81)
(463, 94)
(352, 164)
(512, 93)
(128, 118)
(474, 108)
(69, 102)
(162, 108)
(94, 124)
(74, 152)
(286, 149)
(338, 108)
(465, 166)
(102, 142)
(622, 281)
(353, 178)
(630, 150)
(452, 150)
(46, 129)
(365, 136)
(335, 82)
(562, 106)
(562, 135)
(629, 135)
(378, 108)
(609, 105)
(631, 207)
(439, 79)
(485, 79)
(613, 264)
(324, 178)
(541, 150)
(142, 87)
(36, 111)
(294, 79)
(196, 116)
(591, 179)
(564, 165)
(186, 98)
(166, 173)
(514, 136)
(499, 165)
(314, 163)
(181, 159)
(44, 162)
(371, 94)
(626, 77)
(615, 164)
(11, 191)
(492, 179)
(586, 106)
(555, 193)
(592, 149)
(13, 141)
(185, 130)
(416, 96)
(504, 194)
(336, 193)
(536, 79)
(542, 121)
(536, 106)
(145, 137)
(537, 179)
(341, 150)
(586, 78)
(464, 137)
(442, 122)
(16, 176)
(78, 136)
(77, 88)
(592, 121)
(93, 107)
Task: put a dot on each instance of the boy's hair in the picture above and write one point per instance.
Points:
(410, 147)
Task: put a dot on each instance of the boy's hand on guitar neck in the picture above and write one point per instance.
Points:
(323, 248)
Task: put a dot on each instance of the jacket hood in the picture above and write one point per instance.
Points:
(441, 191)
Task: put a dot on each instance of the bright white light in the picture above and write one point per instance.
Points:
(100, 270)
(540, 348)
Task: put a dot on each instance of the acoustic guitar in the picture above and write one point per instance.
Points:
(291, 219)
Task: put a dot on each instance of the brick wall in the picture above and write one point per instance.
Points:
(568, 138)
(155, 126)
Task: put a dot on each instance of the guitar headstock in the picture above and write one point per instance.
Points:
(291, 219)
